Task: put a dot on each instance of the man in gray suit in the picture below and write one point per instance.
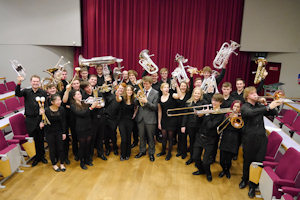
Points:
(147, 118)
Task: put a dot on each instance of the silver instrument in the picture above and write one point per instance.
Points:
(179, 72)
(104, 60)
(147, 63)
(224, 53)
(18, 68)
(91, 100)
(117, 73)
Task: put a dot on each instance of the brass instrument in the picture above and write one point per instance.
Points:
(197, 110)
(194, 70)
(236, 122)
(105, 88)
(260, 69)
(18, 68)
(141, 94)
(224, 53)
(41, 101)
(83, 62)
(147, 63)
(179, 72)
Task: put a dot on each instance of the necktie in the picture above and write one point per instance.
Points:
(146, 92)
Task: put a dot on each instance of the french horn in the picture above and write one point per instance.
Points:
(224, 53)
(147, 63)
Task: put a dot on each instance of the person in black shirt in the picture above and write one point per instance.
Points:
(238, 94)
(100, 76)
(32, 114)
(206, 139)
(84, 73)
(64, 78)
(254, 139)
(191, 123)
(56, 131)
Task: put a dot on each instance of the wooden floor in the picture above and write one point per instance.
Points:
(137, 179)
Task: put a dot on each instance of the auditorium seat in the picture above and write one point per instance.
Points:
(294, 127)
(11, 85)
(284, 174)
(13, 104)
(296, 136)
(3, 110)
(274, 141)
(3, 89)
(288, 118)
(10, 159)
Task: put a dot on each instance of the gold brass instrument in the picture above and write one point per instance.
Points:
(141, 94)
(41, 102)
(224, 53)
(279, 94)
(105, 88)
(261, 63)
(147, 63)
(236, 122)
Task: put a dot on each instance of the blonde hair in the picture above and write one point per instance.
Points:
(227, 84)
(190, 101)
(248, 90)
(207, 69)
(132, 72)
(147, 79)
(164, 70)
(163, 85)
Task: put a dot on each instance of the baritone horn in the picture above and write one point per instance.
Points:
(224, 53)
(147, 63)
(261, 69)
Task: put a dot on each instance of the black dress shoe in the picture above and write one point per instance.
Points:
(116, 152)
(209, 178)
(152, 158)
(76, 158)
(199, 172)
(242, 184)
(134, 144)
(122, 159)
(251, 193)
(90, 163)
(102, 157)
(183, 156)
(127, 157)
(44, 160)
(83, 166)
(221, 174)
(57, 169)
(228, 175)
(34, 163)
(161, 154)
(107, 152)
(178, 154)
(140, 155)
(67, 161)
(190, 161)
(168, 157)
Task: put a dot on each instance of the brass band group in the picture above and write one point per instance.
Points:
(89, 111)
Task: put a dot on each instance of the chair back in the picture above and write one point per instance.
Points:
(17, 123)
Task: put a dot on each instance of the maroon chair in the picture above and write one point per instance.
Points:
(12, 104)
(18, 126)
(3, 110)
(11, 86)
(294, 127)
(3, 89)
(274, 141)
(288, 118)
(21, 101)
(284, 175)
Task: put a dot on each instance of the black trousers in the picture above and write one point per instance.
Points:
(225, 159)
(135, 132)
(203, 165)
(55, 144)
(191, 132)
(38, 137)
(84, 152)
(125, 127)
(110, 134)
(98, 135)
(74, 137)
(66, 146)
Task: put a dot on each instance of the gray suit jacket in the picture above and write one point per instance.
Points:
(148, 112)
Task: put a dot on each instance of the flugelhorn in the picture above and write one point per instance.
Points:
(261, 69)
(41, 102)
(236, 122)
(83, 62)
(179, 72)
(140, 94)
(224, 53)
(18, 68)
(146, 62)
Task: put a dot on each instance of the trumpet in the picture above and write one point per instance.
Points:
(83, 62)
(261, 63)
(141, 94)
(18, 68)
(146, 62)
(179, 72)
(224, 53)
(236, 122)
(41, 101)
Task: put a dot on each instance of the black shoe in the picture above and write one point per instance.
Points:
(221, 174)
(134, 144)
(83, 166)
(34, 163)
(140, 155)
(183, 156)
(158, 139)
(168, 157)
(199, 172)
(228, 175)
(116, 152)
(235, 157)
(190, 161)
(152, 158)
(242, 184)
(57, 169)
(76, 158)
(63, 169)
(209, 178)
(161, 154)
(67, 161)
(107, 152)
(127, 158)
(122, 159)
(90, 163)
(251, 192)
(102, 157)
(178, 154)
(44, 160)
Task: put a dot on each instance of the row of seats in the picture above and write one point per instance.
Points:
(7, 87)
(11, 105)
(280, 175)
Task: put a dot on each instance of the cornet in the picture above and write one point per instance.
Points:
(18, 68)
(179, 72)
(224, 53)
(96, 61)
(261, 62)
(147, 63)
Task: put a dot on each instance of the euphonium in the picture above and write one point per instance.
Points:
(147, 63)
(261, 63)
(141, 94)
(224, 53)
(179, 72)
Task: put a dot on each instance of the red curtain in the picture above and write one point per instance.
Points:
(195, 29)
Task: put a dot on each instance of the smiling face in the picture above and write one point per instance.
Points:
(93, 81)
(57, 101)
(206, 74)
(183, 87)
(198, 83)
(147, 85)
(76, 85)
(77, 96)
(35, 83)
(197, 94)
(164, 75)
(99, 70)
(51, 90)
(154, 77)
(132, 78)
(226, 91)
(240, 85)
(129, 91)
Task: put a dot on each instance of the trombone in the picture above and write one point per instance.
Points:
(236, 122)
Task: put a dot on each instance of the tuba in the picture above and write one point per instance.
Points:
(18, 68)
(261, 62)
(83, 62)
(147, 63)
(224, 53)
(179, 72)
